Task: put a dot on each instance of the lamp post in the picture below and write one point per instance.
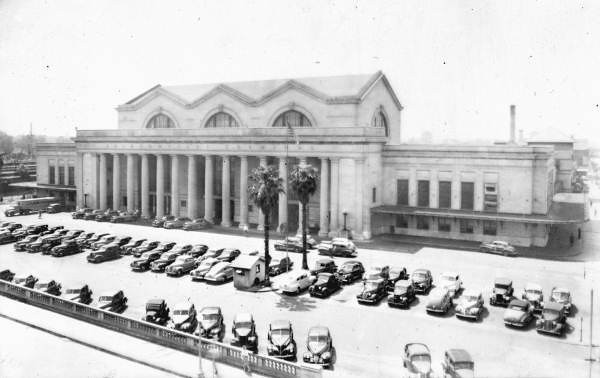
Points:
(345, 229)
(200, 371)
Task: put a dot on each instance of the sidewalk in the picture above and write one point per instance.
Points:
(171, 362)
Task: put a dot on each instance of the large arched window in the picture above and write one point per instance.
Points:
(160, 121)
(379, 120)
(221, 119)
(292, 118)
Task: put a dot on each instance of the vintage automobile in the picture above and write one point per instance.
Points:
(533, 294)
(221, 272)
(373, 291)
(157, 312)
(67, 247)
(114, 301)
(422, 280)
(80, 213)
(124, 217)
(244, 332)
(211, 253)
(212, 325)
(403, 294)
(562, 296)
(144, 247)
(32, 229)
(229, 254)
(11, 226)
(176, 223)
(72, 235)
(396, 273)
(6, 275)
(290, 244)
(82, 240)
(105, 253)
(458, 364)
(197, 224)
(281, 340)
(92, 214)
(21, 245)
(518, 313)
(324, 247)
(280, 265)
(25, 280)
(203, 268)
(160, 222)
(143, 263)
(106, 216)
(452, 282)
(87, 243)
(326, 284)
(79, 293)
(48, 244)
(350, 271)
(165, 260)
(197, 250)
(324, 265)
(502, 293)
(382, 271)
(36, 246)
(127, 249)
(341, 247)
(470, 305)
(181, 248)
(553, 319)
(184, 317)
(48, 286)
(499, 248)
(6, 237)
(439, 301)
(320, 347)
(310, 241)
(164, 247)
(106, 239)
(182, 265)
(296, 282)
(417, 359)
(53, 230)
(54, 208)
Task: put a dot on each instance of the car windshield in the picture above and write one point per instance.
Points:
(181, 312)
(370, 285)
(73, 291)
(41, 285)
(448, 278)
(419, 275)
(20, 279)
(500, 286)
(318, 338)
(421, 358)
(346, 268)
(400, 289)
(207, 264)
(243, 325)
(470, 298)
(533, 291)
(517, 307)
(463, 365)
(560, 296)
(210, 316)
(105, 298)
(280, 332)
(549, 313)
(146, 255)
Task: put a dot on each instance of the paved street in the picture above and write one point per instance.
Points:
(368, 339)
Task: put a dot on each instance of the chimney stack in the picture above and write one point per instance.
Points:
(512, 125)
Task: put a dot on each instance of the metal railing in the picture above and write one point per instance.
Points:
(220, 352)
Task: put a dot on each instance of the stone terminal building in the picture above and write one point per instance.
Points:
(187, 151)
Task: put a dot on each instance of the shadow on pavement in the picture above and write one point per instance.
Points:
(296, 303)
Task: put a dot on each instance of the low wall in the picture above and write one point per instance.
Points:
(223, 353)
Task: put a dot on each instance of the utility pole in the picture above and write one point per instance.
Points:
(30, 141)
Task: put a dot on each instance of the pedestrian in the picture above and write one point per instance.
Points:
(39, 214)
(245, 230)
(579, 233)
(572, 239)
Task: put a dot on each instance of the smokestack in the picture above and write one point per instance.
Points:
(512, 125)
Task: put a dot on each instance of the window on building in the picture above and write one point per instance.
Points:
(444, 224)
(401, 221)
(490, 197)
(466, 226)
(490, 228)
(61, 175)
(292, 118)
(183, 203)
(423, 193)
(71, 171)
(374, 195)
(467, 195)
(422, 223)
(221, 119)
(380, 120)
(445, 194)
(124, 201)
(402, 192)
(51, 175)
(160, 121)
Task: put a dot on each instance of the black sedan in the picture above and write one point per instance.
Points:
(326, 284)
(68, 247)
(143, 263)
(351, 271)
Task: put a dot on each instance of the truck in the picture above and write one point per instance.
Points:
(28, 206)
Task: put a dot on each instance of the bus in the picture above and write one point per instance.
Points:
(28, 206)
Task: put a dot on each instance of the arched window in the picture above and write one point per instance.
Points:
(160, 121)
(379, 120)
(221, 119)
(292, 118)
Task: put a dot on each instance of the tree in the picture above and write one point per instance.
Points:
(6, 143)
(303, 181)
(264, 187)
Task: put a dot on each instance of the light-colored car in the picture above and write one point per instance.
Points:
(297, 282)
(417, 360)
(164, 260)
(452, 282)
(518, 313)
(184, 317)
(197, 224)
(310, 241)
(106, 239)
(534, 295)
(203, 268)
(470, 305)
(562, 296)
(177, 222)
(439, 300)
(221, 272)
(182, 265)
(498, 247)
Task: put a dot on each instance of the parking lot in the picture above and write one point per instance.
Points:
(368, 339)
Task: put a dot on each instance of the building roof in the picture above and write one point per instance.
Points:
(246, 261)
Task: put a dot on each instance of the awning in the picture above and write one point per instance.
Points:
(35, 185)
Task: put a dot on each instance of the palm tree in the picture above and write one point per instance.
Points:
(264, 187)
(303, 181)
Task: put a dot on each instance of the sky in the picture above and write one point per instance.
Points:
(456, 66)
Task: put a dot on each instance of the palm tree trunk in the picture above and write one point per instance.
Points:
(304, 214)
(267, 256)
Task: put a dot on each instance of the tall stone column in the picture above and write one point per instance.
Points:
(79, 180)
(283, 210)
(208, 188)
(434, 189)
(335, 183)
(455, 190)
(102, 182)
(116, 182)
(145, 187)
(360, 180)
(130, 182)
(67, 171)
(160, 186)
(301, 163)
(243, 191)
(57, 176)
(192, 201)
(479, 195)
(226, 193)
(262, 161)
(175, 185)
(412, 187)
(324, 199)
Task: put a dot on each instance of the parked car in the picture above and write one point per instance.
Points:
(311, 243)
(350, 271)
(212, 325)
(182, 265)
(106, 216)
(184, 317)
(6, 237)
(48, 244)
(82, 240)
(160, 222)
(197, 224)
(25, 280)
(553, 319)
(403, 294)
(114, 301)
(324, 247)
(373, 291)
(396, 274)
(452, 282)
(533, 294)
(176, 223)
(80, 213)
(68, 247)
(422, 280)
(79, 293)
(229, 254)
(48, 286)
(439, 300)
(144, 247)
(458, 364)
(417, 359)
(198, 250)
(341, 247)
(518, 313)
(470, 305)
(499, 248)
(280, 265)
(383, 271)
(22, 244)
(211, 253)
(36, 246)
(562, 296)
(221, 272)
(326, 284)
(11, 226)
(290, 244)
(87, 243)
(281, 340)
(124, 217)
(143, 263)
(181, 248)
(6, 275)
(157, 312)
(127, 249)
(164, 247)
(163, 261)
(324, 265)
(105, 253)
(244, 332)
(502, 293)
(106, 239)
(55, 208)
(53, 229)
(203, 268)
(320, 347)
(32, 229)
(71, 235)
(297, 282)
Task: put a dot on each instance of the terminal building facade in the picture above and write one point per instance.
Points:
(188, 151)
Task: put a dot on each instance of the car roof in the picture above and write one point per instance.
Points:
(518, 302)
(183, 305)
(503, 281)
(553, 306)
(318, 331)
(417, 348)
(155, 301)
(210, 310)
(396, 268)
(209, 260)
(449, 274)
(281, 324)
(561, 290)
(221, 264)
(438, 291)
(533, 286)
(242, 317)
(326, 275)
(421, 270)
(459, 355)
(402, 283)
(109, 293)
(325, 260)
(471, 292)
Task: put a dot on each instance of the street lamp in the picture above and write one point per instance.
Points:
(345, 229)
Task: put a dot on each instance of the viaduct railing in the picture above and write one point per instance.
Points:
(157, 334)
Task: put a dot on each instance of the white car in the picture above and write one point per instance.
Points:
(310, 241)
(297, 282)
(451, 281)
(220, 272)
